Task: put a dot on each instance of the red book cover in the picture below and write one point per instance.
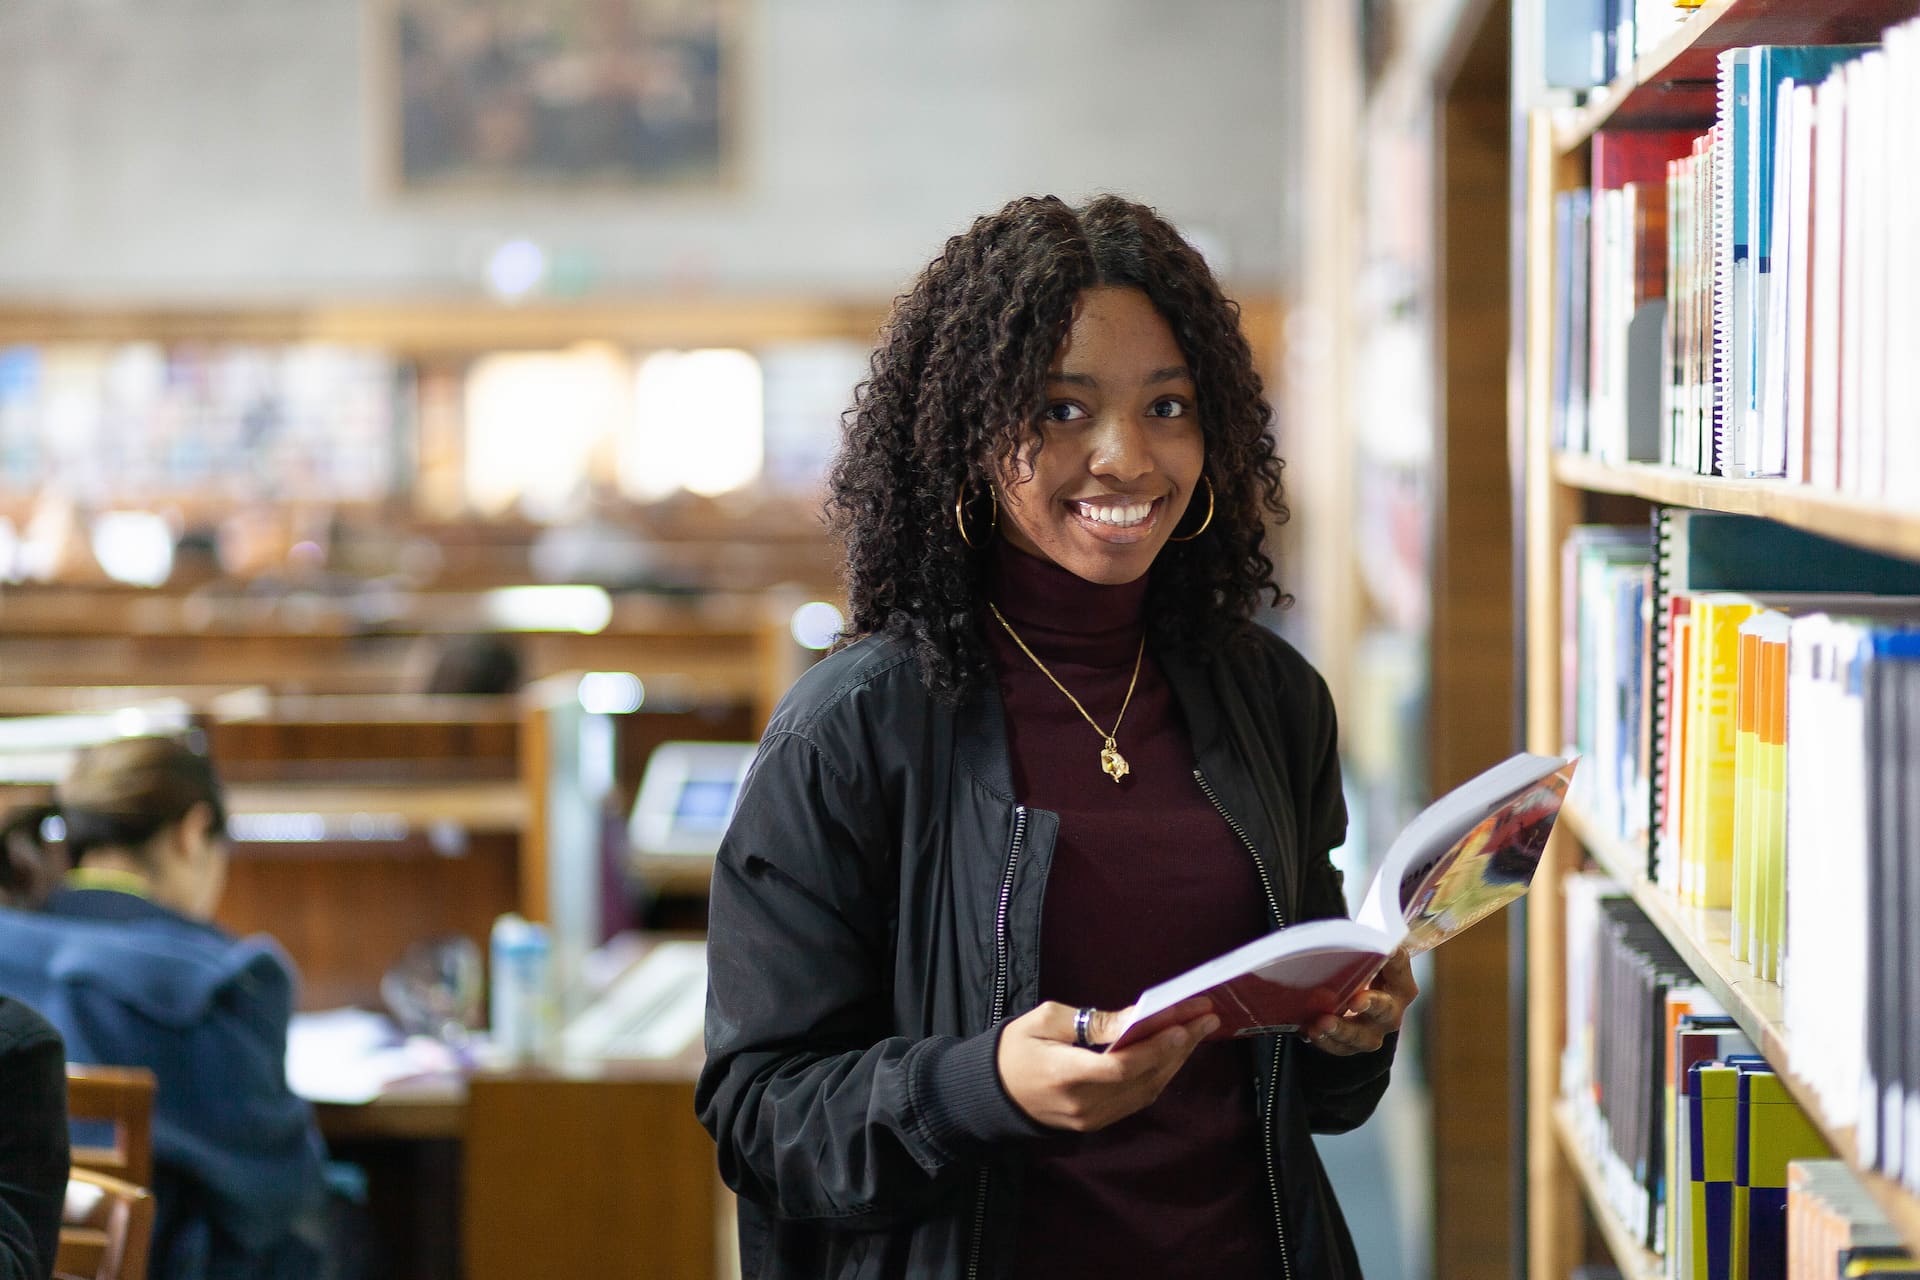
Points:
(1624, 156)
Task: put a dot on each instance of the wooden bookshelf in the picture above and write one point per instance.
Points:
(1635, 1260)
(1671, 86)
(1701, 938)
(1832, 515)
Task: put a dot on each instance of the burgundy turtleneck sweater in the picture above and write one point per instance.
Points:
(1147, 881)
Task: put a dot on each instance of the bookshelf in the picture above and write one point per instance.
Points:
(1832, 515)
(1635, 1261)
(1671, 85)
(1752, 1001)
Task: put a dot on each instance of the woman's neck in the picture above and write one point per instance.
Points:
(113, 869)
(1059, 614)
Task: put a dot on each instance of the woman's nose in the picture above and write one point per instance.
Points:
(1120, 450)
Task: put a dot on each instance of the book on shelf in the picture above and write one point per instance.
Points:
(1571, 257)
(1830, 1215)
(1785, 778)
(1625, 986)
(1696, 1039)
(1608, 572)
(1791, 282)
(1587, 44)
(1459, 860)
(139, 419)
(1704, 554)
(1772, 1131)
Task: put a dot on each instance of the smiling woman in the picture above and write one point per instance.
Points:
(1057, 765)
(1120, 449)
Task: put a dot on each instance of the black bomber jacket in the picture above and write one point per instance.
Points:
(875, 920)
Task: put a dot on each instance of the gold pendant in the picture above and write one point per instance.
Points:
(1112, 761)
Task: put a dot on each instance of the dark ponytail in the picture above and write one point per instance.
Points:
(28, 868)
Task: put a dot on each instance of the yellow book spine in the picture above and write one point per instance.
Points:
(1773, 827)
(1746, 700)
(1697, 752)
(1719, 1106)
(1680, 879)
(1717, 637)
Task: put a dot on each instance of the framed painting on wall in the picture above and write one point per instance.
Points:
(553, 95)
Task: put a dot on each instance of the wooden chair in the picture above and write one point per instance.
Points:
(106, 1230)
(123, 1098)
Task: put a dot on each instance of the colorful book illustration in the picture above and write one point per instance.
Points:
(1463, 857)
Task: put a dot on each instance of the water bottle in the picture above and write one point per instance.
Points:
(522, 999)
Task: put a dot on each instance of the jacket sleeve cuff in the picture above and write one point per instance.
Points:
(963, 1105)
(1352, 1072)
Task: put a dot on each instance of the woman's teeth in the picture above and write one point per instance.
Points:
(1118, 517)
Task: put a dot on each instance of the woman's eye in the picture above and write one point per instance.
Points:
(1168, 407)
(1063, 411)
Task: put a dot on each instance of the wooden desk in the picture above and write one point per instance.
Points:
(599, 1170)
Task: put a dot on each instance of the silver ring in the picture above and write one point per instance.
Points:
(1082, 1022)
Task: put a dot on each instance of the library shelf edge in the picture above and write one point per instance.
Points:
(1832, 515)
(1635, 1260)
(1701, 938)
(1672, 84)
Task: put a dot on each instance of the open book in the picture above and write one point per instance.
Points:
(1464, 856)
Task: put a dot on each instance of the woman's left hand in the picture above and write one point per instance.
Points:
(1376, 1013)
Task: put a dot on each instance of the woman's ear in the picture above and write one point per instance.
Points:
(197, 836)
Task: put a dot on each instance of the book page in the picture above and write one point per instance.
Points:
(1468, 853)
(1490, 866)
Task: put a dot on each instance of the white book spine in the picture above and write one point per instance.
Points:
(1828, 205)
(1848, 762)
(1724, 421)
(1797, 283)
(1770, 301)
(1901, 376)
(1854, 267)
(1798, 997)
(1875, 291)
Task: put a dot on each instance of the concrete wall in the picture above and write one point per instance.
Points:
(181, 150)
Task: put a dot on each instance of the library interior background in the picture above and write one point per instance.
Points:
(423, 408)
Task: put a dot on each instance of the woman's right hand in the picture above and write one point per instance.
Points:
(1063, 1086)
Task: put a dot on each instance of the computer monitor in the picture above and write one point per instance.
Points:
(686, 798)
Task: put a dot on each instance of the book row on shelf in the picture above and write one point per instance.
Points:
(312, 419)
(1757, 736)
(1739, 302)
(344, 423)
(1588, 43)
(1702, 1153)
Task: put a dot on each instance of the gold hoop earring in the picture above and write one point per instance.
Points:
(960, 515)
(1204, 523)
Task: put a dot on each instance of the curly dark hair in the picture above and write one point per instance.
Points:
(956, 389)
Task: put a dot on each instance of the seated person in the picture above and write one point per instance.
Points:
(122, 957)
(486, 665)
(33, 1142)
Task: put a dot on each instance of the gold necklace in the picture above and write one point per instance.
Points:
(1110, 758)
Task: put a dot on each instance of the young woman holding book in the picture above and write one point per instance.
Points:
(1059, 764)
(124, 960)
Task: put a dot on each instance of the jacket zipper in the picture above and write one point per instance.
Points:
(1273, 1076)
(999, 1007)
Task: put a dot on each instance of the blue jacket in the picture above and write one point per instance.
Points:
(237, 1158)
